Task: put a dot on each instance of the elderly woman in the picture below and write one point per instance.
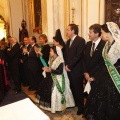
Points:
(103, 102)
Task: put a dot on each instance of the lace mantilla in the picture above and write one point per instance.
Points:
(114, 53)
(57, 62)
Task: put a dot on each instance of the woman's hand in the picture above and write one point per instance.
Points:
(91, 79)
(37, 51)
(46, 69)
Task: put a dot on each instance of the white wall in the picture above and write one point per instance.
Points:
(93, 12)
(87, 12)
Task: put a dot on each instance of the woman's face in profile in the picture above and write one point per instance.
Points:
(104, 35)
(52, 53)
(41, 41)
(55, 43)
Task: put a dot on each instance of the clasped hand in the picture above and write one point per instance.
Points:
(46, 69)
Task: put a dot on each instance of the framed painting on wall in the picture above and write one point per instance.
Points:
(37, 16)
(112, 11)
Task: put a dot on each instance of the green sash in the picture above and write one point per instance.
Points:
(60, 89)
(112, 70)
(43, 61)
(41, 58)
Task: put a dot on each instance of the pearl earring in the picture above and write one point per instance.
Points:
(107, 37)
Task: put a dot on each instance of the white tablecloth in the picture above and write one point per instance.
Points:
(22, 110)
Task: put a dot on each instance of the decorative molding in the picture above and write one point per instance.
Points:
(99, 4)
(66, 16)
(44, 16)
(22, 2)
(11, 27)
(81, 17)
(86, 16)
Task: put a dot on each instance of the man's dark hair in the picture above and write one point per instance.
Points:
(75, 28)
(34, 38)
(96, 28)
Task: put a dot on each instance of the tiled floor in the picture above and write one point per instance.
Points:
(68, 114)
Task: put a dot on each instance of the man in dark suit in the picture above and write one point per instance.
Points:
(93, 52)
(33, 65)
(24, 61)
(14, 61)
(74, 51)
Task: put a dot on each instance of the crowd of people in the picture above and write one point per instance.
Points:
(58, 73)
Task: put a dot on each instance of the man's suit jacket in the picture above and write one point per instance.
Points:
(74, 56)
(33, 60)
(92, 64)
(25, 56)
(14, 57)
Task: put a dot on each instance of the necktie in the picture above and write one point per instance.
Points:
(92, 49)
(71, 41)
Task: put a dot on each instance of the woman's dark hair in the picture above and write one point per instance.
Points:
(96, 28)
(34, 39)
(105, 28)
(54, 49)
(75, 28)
(58, 38)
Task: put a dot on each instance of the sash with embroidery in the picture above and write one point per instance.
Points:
(41, 58)
(60, 89)
(112, 70)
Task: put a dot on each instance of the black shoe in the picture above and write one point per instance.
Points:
(13, 89)
(30, 87)
(17, 91)
(90, 117)
(79, 112)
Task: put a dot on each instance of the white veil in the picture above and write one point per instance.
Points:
(59, 52)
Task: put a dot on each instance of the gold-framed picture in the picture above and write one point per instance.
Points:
(37, 16)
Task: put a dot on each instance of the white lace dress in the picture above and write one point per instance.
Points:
(56, 96)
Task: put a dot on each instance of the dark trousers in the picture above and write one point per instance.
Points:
(34, 77)
(76, 85)
(22, 74)
(16, 77)
(26, 73)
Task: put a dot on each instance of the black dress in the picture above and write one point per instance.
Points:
(45, 51)
(103, 102)
(45, 90)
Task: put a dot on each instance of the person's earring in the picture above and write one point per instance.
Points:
(107, 37)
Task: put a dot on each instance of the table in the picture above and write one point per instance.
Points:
(22, 110)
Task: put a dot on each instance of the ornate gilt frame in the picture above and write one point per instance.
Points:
(112, 11)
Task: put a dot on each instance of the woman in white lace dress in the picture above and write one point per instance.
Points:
(61, 96)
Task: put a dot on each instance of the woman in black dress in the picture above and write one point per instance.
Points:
(43, 53)
(103, 102)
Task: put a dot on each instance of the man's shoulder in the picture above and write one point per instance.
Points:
(79, 39)
(89, 43)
